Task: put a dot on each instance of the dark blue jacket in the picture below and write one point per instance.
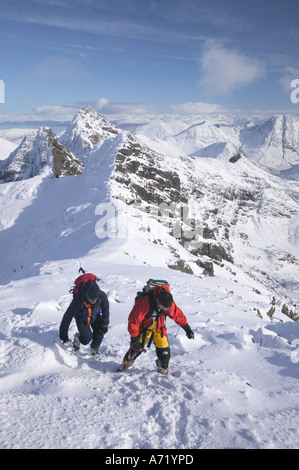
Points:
(78, 310)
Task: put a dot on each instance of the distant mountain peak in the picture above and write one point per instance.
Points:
(274, 144)
(86, 130)
(39, 153)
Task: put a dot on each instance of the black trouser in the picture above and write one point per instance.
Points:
(162, 348)
(90, 332)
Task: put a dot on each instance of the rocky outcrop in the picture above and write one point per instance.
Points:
(148, 180)
(144, 173)
(40, 153)
(64, 162)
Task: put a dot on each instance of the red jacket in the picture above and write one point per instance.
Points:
(137, 321)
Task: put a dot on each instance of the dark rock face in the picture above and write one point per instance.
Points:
(141, 170)
(158, 189)
(39, 153)
(64, 162)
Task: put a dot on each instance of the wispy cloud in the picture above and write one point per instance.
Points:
(123, 110)
(224, 70)
(55, 67)
(65, 112)
(104, 106)
(110, 19)
(197, 108)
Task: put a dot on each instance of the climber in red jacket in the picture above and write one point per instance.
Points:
(146, 323)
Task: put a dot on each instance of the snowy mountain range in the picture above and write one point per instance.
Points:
(209, 188)
(211, 208)
(274, 143)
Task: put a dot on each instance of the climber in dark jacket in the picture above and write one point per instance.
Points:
(90, 309)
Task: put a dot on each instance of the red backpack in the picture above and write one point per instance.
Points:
(82, 281)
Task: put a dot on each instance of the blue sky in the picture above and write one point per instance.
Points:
(147, 56)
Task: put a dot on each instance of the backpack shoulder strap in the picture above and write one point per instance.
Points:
(152, 303)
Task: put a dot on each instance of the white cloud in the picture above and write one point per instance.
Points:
(197, 108)
(101, 103)
(225, 70)
(105, 106)
(54, 110)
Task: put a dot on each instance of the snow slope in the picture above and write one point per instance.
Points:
(274, 143)
(236, 383)
(6, 148)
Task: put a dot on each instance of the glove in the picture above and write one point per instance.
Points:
(64, 338)
(189, 332)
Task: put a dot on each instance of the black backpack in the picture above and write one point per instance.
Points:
(148, 289)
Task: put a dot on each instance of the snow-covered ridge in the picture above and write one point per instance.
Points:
(86, 130)
(39, 153)
(236, 383)
(235, 204)
(274, 144)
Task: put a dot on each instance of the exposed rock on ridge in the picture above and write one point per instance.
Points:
(40, 153)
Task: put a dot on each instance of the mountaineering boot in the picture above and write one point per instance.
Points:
(124, 366)
(162, 370)
(96, 343)
(94, 351)
(76, 342)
